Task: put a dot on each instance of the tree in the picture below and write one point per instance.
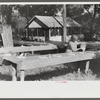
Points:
(18, 24)
(92, 15)
(87, 16)
(45, 10)
(6, 33)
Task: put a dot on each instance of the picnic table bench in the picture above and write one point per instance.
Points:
(31, 62)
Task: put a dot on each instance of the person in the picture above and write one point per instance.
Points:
(74, 45)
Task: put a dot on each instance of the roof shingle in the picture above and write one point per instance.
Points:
(52, 22)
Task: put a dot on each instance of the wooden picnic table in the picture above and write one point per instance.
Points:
(27, 48)
(32, 62)
(16, 42)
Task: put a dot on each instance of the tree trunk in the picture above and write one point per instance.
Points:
(7, 36)
(64, 24)
(92, 16)
(92, 22)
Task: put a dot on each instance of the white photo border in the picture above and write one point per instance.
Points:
(50, 89)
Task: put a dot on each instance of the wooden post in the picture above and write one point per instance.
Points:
(32, 52)
(44, 35)
(14, 77)
(27, 32)
(49, 34)
(32, 34)
(22, 75)
(87, 67)
(37, 32)
(79, 72)
(64, 24)
(27, 29)
(37, 37)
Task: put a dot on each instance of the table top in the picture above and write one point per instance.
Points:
(27, 48)
(30, 62)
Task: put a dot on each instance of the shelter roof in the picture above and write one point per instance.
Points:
(51, 22)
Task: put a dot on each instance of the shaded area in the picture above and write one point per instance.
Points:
(5, 77)
(42, 52)
(47, 75)
(62, 46)
(58, 71)
(95, 66)
(6, 70)
(8, 63)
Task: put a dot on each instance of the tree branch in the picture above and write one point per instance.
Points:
(88, 12)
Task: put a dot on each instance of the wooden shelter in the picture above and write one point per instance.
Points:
(45, 27)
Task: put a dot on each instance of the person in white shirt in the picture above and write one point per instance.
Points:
(74, 45)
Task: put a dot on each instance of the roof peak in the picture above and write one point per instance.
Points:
(51, 21)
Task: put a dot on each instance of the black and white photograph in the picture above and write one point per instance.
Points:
(49, 49)
(49, 42)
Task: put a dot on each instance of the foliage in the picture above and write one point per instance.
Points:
(18, 25)
(19, 15)
(87, 15)
(6, 13)
(46, 10)
(90, 20)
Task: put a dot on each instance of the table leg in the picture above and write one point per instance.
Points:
(32, 52)
(22, 75)
(14, 77)
(87, 67)
(79, 72)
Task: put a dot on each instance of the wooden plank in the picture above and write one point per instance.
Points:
(12, 59)
(54, 59)
(27, 48)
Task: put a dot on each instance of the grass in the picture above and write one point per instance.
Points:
(5, 73)
(55, 73)
(75, 76)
